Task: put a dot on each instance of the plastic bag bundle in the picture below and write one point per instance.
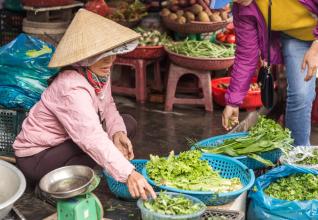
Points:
(264, 207)
(298, 154)
(24, 72)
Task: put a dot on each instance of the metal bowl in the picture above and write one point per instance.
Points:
(12, 186)
(67, 182)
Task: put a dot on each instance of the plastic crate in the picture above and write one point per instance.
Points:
(6, 37)
(11, 21)
(10, 126)
(228, 168)
(273, 155)
(220, 214)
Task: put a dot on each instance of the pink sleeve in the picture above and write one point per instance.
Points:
(246, 57)
(114, 122)
(77, 114)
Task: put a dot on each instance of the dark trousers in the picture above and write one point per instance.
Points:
(67, 153)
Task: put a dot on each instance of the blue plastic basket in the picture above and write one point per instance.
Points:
(273, 155)
(228, 168)
(119, 189)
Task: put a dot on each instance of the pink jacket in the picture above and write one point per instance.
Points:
(68, 109)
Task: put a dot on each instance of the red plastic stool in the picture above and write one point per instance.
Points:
(140, 65)
(314, 113)
(175, 73)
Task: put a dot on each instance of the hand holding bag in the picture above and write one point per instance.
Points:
(265, 76)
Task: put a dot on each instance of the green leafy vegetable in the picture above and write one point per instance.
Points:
(204, 49)
(298, 187)
(173, 205)
(188, 172)
(310, 160)
(265, 136)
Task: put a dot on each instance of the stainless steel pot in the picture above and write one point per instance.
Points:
(12, 186)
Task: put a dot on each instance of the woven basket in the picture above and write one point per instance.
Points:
(145, 52)
(200, 63)
(194, 27)
(46, 3)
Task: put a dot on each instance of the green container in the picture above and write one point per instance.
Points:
(85, 207)
(10, 126)
(14, 5)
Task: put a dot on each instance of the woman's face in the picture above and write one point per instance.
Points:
(103, 66)
(243, 2)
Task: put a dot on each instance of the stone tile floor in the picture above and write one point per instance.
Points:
(158, 132)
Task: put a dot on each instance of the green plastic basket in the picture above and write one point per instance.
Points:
(10, 126)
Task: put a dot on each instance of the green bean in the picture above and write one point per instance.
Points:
(203, 49)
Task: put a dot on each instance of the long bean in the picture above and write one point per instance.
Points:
(204, 49)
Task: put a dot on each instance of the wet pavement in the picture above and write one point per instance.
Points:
(158, 132)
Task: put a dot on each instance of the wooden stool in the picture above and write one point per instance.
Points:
(140, 66)
(175, 73)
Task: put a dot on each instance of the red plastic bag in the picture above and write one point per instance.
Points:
(97, 6)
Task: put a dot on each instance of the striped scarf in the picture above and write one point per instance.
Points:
(98, 82)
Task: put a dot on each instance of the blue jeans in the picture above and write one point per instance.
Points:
(300, 94)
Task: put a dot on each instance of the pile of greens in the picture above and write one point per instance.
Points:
(152, 37)
(202, 49)
(172, 205)
(298, 187)
(265, 136)
(188, 172)
(310, 160)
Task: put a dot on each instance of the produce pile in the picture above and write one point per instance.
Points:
(188, 11)
(152, 37)
(227, 36)
(265, 136)
(172, 205)
(188, 172)
(309, 160)
(253, 86)
(201, 49)
(298, 187)
(127, 11)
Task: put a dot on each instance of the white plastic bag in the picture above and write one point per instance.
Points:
(298, 154)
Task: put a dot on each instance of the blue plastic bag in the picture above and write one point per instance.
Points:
(24, 72)
(263, 207)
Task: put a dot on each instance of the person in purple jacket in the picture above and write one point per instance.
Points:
(294, 41)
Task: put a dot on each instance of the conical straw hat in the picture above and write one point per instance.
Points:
(89, 34)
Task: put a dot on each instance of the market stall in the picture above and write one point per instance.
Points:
(251, 172)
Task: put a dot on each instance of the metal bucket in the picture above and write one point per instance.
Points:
(12, 186)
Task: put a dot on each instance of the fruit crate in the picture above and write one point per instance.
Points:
(220, 214)
(10, 125)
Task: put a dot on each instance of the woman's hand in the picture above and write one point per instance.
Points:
(139, 187)
(311, 61)
(124, 145)
(230, 117)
